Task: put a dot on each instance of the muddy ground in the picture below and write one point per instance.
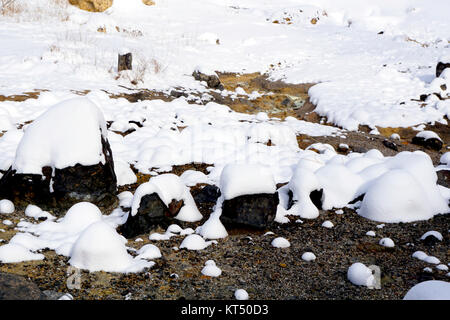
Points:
(246, 257)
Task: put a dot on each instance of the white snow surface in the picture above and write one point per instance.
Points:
(360, 275)
(429, 290)
(6, 206)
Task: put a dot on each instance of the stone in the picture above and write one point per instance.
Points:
(95, 183)
(152, 212)
(212, 81)
(148, 2)
(125, 62)
(389, 144)
(208, 194)
(431, 143)
(14, 287)
(443, 178)
(440, 67)
(255, 210)
(92, 5)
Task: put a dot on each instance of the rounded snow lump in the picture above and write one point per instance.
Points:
(360, 275)
(429, 290)
(6, 206)
(395, 197)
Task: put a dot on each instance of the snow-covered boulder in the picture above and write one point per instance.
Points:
(428, 139)
(158, 202)
(249, 194)
(64, 157)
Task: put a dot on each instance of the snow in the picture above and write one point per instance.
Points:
(360, 275)
(327, 224)
(432, 233)
(35, 212)
(429, 290)
(280, 242)
(12, 253)
(101, 248)
(237, 180)
(67, 134)
(308, 256)
(419, 255)
(168, 187)
(371, 233)
(6, 206)
(426, 134)
(387, 242)
(442, 267)
(210, 269)
(241, 294)
(194, 242)
(149, 252)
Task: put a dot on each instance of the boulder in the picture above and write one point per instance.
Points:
(92, 5)
(56, 166)
(253, 210)
(152, 212)
(428, 139)
(14, 287)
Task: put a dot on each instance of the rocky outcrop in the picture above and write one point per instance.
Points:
(14, 287)
(92, 5)
(152, 212)
(440, 67)
(255, 210)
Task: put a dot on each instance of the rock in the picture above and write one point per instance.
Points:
(212, 80)
(443, 178)
(152, 212)
(50, 175)
(14, 287)
(256, 210)
(431, 143)
(389, 144)
(208, 194)
(125, 62)
(92, 5)
(440, 67)
(148, 2)
(315, 196)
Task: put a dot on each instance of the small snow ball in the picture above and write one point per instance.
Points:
(429, 290)
(387, 242)
(6, 206)
(328, 224)
(241, 294)
(280, 242)
(12, 253)
(194, 242)
(360, 275)
(210, 269)
(149, 252)
(308, 256)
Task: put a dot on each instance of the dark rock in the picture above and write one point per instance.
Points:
(443, 178)
(389, 144)
(430, 240)
(125, 62)
(14, 287)
(423, 97)
(431, 143)
(213, 81)
(152, 212)
(256, 210)
(440, 67)
(208, 194)
(96, 184)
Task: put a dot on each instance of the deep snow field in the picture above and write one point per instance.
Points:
(370, 69)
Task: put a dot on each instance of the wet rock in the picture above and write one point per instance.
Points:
(212, 80)
(389, 144)
(256, 210)
(440, 67)
(14, 287)
(152, 212)
(431, 143)
(95, 183)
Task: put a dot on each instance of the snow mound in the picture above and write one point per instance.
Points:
(387, 242)
(242, 179)
(12, 253)
(168, 187)
(429, 290)
(101, 248)
(360, 275)
(308, 256)
(66, 134)
(194, 242)
(280, 242)
(149, 252)
(241, 294)
(6, 206)
(210, 269)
